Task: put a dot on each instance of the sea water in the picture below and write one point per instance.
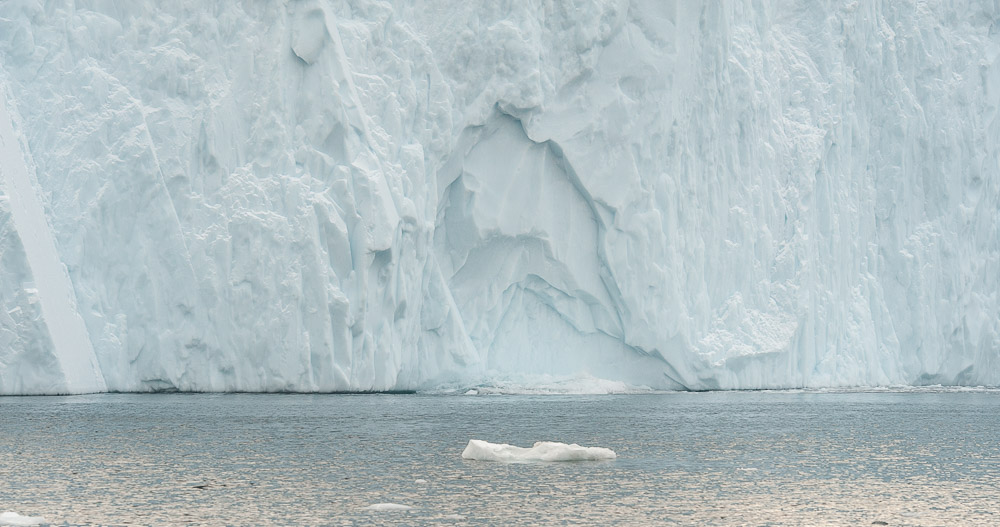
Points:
(723, 458)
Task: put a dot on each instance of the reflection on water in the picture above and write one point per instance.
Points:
(692, 459)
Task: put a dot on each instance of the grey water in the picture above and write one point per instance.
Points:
(725, 458)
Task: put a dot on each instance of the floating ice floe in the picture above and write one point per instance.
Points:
(541, 451)
(13, 518)
(385, 507)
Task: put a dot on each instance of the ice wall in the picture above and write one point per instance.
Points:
(323, 195)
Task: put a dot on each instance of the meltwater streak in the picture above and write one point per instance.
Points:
(55, 292)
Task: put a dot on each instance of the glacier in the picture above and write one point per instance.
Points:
(365, 195)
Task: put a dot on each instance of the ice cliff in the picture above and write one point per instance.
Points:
(330, 195)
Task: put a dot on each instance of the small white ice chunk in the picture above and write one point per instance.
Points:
(384, 507)
(13, 518)
(541, 451)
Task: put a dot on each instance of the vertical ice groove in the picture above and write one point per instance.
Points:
(163, 184)
(55, 291)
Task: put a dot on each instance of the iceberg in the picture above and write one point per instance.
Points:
(321, 196)
(480, 450)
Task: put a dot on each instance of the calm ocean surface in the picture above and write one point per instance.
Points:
(726, 458)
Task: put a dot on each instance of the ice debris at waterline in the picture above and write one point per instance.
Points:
(12, 519)
(207, 195)
(480, 450)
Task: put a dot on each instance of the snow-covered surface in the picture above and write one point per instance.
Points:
(329, 195)
(15, 519)
(480, 450)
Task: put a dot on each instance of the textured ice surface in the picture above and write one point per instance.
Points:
(322, 195)
(480, 450)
